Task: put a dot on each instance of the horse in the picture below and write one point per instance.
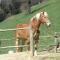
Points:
(35, 23)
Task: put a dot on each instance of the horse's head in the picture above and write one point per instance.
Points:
(42, 17)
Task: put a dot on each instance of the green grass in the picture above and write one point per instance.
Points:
(53, 9)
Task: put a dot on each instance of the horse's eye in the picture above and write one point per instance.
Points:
(44, 17)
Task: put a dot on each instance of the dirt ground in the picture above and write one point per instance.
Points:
(26, 56)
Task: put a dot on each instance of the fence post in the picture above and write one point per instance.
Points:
(55, 41)
(31, 42)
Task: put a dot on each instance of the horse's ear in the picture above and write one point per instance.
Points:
(43, 12)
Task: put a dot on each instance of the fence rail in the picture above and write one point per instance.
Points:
(42, 36)
(13, 29)
(14, 46)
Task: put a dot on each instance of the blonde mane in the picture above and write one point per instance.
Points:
(37, 16)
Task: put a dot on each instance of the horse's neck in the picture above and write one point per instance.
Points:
(35, 24)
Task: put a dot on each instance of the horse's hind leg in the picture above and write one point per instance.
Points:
(27, 42)
(18, 49)
(21, 45)
(17, 44)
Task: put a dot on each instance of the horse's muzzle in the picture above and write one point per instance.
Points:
(48, 23)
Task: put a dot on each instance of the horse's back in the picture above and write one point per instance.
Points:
(22, 25)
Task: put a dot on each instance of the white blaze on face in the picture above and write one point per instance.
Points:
(47, 21)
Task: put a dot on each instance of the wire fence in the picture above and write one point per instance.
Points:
(55, 36)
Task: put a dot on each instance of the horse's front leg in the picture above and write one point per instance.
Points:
(27, 42)
(36, 38)
(18, 43)
(35, 47)
(36, 44)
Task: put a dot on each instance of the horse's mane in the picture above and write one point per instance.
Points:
(36, 17)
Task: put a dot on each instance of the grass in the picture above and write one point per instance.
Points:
(51, 6)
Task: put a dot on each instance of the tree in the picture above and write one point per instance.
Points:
(2, 15)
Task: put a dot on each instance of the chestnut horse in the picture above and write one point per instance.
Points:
(35, 22)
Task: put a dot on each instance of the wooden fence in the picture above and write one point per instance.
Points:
(31, 38)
